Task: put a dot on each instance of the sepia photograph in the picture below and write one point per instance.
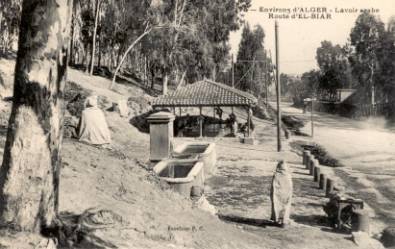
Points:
(197, 124)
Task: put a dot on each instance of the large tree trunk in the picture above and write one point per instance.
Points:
(99, 51)
(1, 20)
(152, 79)
(93, 52)
(72, 58)
(87, 57)
(30, 170)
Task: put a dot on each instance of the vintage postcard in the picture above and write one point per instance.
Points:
(206, 124)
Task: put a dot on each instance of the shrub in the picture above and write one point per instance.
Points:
(319, 152)
(322, 155)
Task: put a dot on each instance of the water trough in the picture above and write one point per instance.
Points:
(181, 175)
(205, 152)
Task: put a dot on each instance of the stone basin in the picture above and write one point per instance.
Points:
(181, 175)
(205, 152)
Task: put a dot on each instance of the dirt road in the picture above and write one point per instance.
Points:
(366, 148)
(240, 190)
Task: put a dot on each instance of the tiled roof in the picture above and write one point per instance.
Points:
(205, 93)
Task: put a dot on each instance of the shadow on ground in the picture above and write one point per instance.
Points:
(71, 233)
(247, 221)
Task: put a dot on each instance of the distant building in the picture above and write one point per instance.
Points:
(343, 94)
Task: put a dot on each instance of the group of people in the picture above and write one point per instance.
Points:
(185, 122)
(235, 127)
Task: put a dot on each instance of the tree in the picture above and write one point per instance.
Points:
(333, 63)
(29, 173)
(220, 18)
(93, 46)
(305, 87)
(286, 82)
(148, 21)
(366, 38)
(146, 32)
(252, 60)
(195, 44)
(385, 76)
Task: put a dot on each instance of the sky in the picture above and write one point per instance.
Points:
(299, 38)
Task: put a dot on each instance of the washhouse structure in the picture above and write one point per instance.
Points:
(206, 94)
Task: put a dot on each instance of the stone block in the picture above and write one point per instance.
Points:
(249, 140)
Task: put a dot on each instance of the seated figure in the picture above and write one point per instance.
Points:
(93, 128)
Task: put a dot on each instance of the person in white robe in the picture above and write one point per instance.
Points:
(281, 194)
(93, 128)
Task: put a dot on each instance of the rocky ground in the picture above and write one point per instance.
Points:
(146, 214)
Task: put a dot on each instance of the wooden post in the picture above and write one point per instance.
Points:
(248, 121)
(145, 71)
(278, 89)
(201, 121)
(233, 77)
(312, 120)
(233, 73)
(269, 78)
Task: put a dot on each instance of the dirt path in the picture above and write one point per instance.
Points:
(240, 189)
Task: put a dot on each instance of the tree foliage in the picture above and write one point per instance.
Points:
(367, 61)
(9, 22)
(188, 38)
(366, 38)
(334, 67)
(372, 57)
(253, 67)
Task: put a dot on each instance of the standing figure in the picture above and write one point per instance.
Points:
(281, 194)
(249, 124)
(233, 123)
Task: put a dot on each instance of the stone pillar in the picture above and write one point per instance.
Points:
(362, 224)
(313, 165)
(317, 172)
(309, 162)
(322, 182)
(329, 187)
(306, 154)
(161, 135)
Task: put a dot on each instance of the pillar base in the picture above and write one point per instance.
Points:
(248, 140)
